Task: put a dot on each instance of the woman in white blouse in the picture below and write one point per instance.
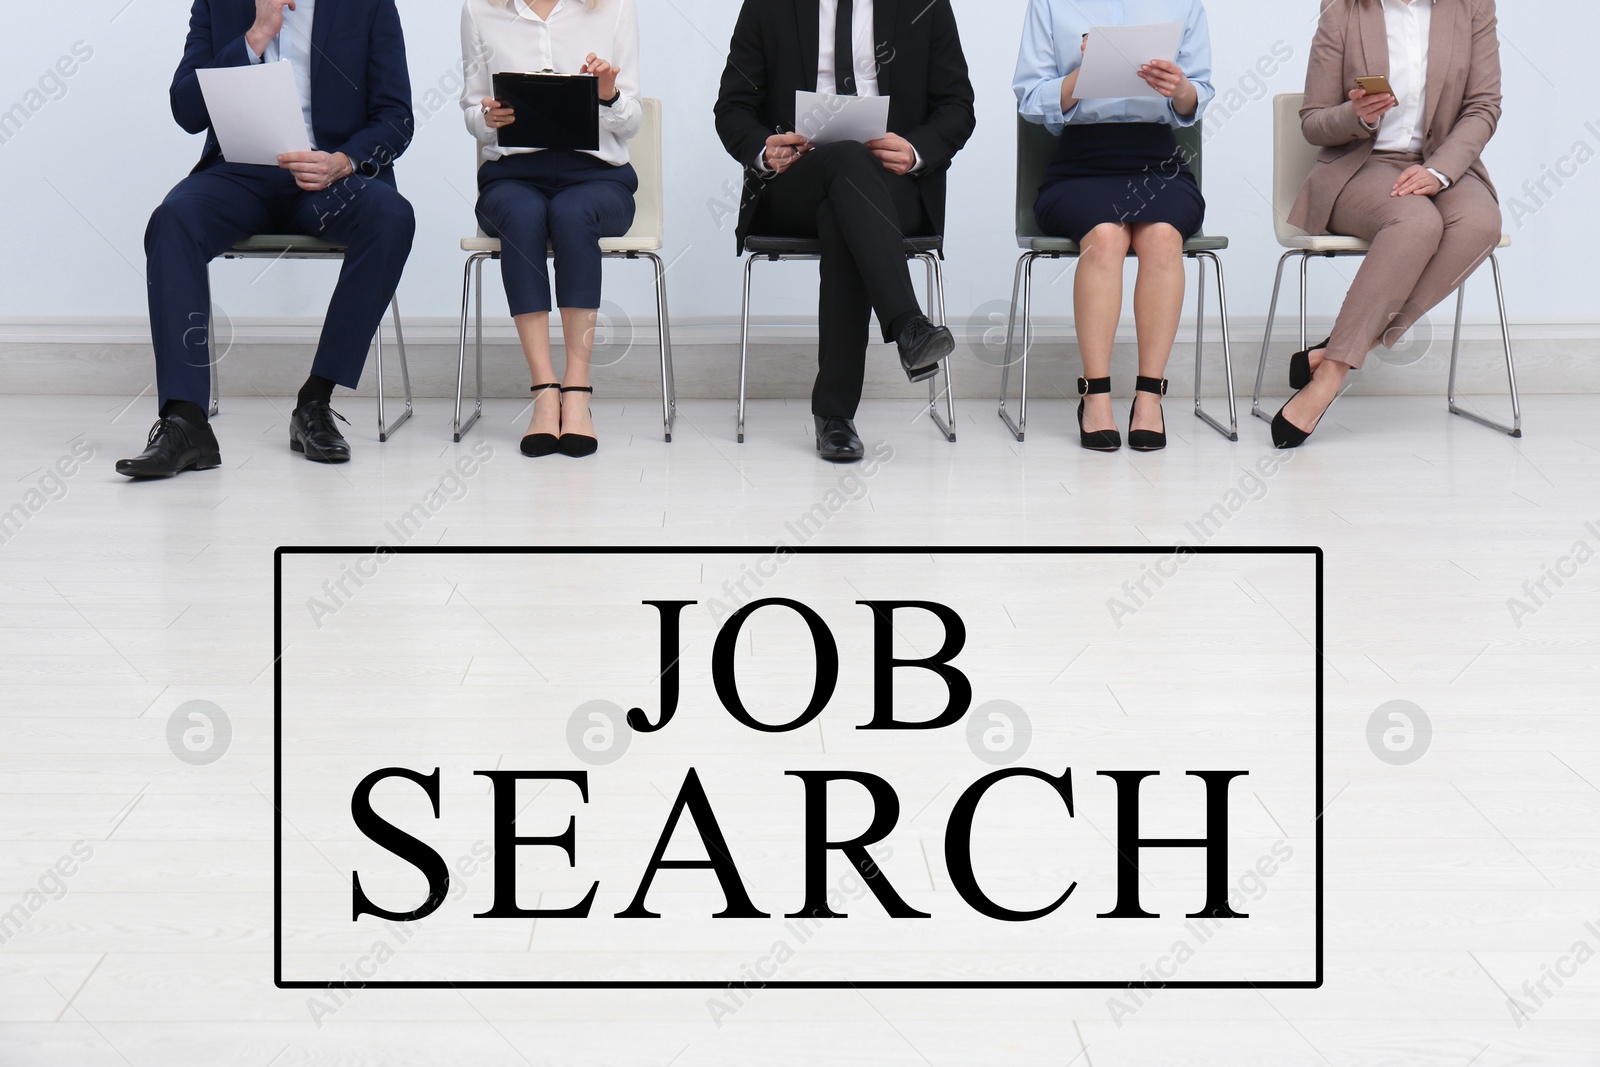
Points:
(533, 199)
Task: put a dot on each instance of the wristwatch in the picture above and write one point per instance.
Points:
(613, 100)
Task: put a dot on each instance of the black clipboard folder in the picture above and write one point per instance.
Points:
(553, 110)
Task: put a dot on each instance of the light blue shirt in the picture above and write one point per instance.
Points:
(1052, 43)
(293, 44)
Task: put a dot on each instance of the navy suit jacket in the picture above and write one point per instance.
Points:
(360, 87)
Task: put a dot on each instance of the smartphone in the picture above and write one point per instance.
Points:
(1376, 85)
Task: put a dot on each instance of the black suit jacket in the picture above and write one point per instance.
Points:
(921, 69)
(360, 88)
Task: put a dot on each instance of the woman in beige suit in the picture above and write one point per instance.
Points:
(1403, 171)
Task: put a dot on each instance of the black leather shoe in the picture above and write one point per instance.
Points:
(312, 430)
(1095, 440)
(837, 440)
(922, 346)
(175, 445)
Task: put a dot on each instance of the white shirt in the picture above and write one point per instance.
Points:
(862, 39)
(1408, 25)
(506, 35)
(293, 44)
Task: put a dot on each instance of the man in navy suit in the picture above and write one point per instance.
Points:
(349, 64)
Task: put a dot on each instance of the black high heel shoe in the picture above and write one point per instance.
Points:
(540, 444)
(1300, 365)
(1286, 434)
(1096, 440)
(577, 445)
(1148, 440)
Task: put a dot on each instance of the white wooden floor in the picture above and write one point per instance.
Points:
(1453, 882)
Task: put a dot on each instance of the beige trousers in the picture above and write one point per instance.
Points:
(1423, 248)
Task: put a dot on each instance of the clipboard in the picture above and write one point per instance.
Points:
(553, 110)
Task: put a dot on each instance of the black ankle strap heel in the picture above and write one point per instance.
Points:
(1096, 440)
(1148, 440)
(540, 444)
(575, 444)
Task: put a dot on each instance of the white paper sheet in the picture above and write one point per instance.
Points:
(255, 111)
(826, 118)
(1115, 54)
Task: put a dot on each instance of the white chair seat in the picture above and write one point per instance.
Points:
(607, 244)
(1335, 243)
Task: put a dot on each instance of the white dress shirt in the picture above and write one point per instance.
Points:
(862, 39)
(1401, 130)
(507, 35)
(293, 44)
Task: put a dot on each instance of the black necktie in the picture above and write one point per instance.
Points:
(844, 50)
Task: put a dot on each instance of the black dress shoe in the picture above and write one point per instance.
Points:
(1286, 434)
(176, 444)
(312, 430)
(922, 346)
(837, 440)
(1300, 365)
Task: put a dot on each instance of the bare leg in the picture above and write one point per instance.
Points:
(1157, 308)
(534, 332)
(577, 329)
(1097, 306)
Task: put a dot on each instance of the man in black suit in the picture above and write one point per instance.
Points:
(348, 61)
(860, 200)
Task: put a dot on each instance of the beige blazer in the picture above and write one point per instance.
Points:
(1462, 106)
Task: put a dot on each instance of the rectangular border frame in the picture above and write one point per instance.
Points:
(1141, 550)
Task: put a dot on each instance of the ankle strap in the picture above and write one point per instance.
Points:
(578, 389)
(1091, 386)
(542, 388)
(1150, 385)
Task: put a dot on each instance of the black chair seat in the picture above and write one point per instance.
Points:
(804, 246)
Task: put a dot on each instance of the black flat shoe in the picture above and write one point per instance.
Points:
(313, 431)
(577, 445)
(922, 346)
(1148, 440)
(175, 444)
(837, 440)
(540, 444)
(1096, 440)
(1300, 365)
(1286, 434)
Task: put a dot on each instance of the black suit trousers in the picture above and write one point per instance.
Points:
(841, 195)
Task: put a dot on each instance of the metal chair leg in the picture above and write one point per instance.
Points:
(946, 423)
(386, 430)
(461, 428)
(1266, 340)
(215, 404)
(744, 340)
(669, 389)
(1024, 282)
(1231, 431)
(1515, 429)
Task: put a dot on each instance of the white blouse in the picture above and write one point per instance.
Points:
(506, 35)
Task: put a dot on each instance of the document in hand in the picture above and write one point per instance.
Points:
(826, 118)
(1115, 53)
(255, 111)
(553, 110)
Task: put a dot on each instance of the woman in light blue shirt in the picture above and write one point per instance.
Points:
(1119, 183)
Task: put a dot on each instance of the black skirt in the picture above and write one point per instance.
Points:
(1124, 172)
